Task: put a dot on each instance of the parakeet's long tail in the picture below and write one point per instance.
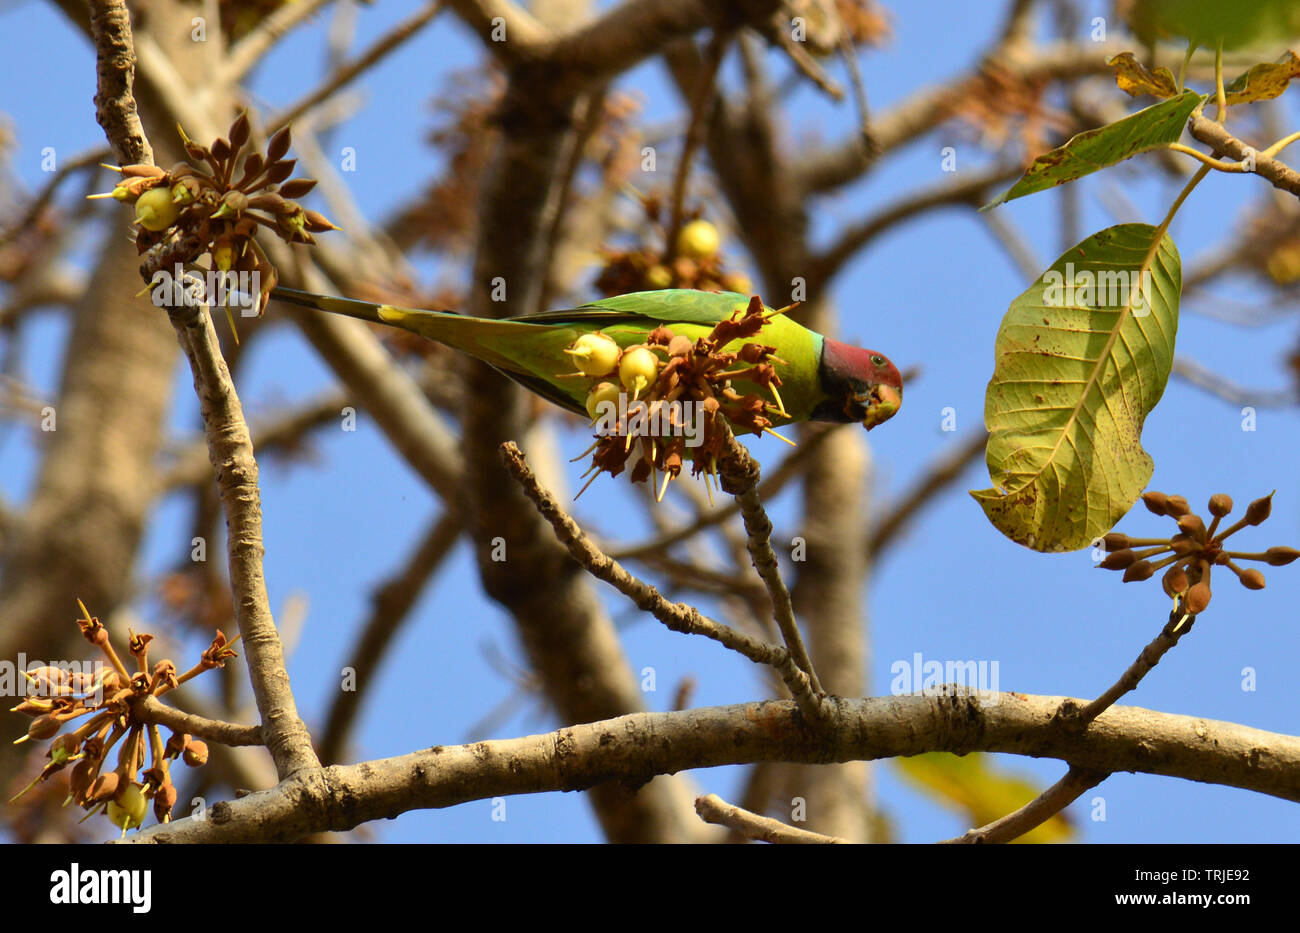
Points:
(362, 310)
(479, 337)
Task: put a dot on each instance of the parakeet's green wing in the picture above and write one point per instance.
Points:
(668, 306)
(664, 306)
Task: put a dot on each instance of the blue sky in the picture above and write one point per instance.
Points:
(931, 295)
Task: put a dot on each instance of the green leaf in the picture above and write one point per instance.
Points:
(1208, 22)
(981, 791)
(1264, 81)
(1082, 357)
(1090, 151)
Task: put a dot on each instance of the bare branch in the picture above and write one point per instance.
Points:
(826, 169)
(1205, 378)
(1212, 133)
(353, 69)
(1077, 781)
(967, 192)
(679, 617)
(249, 50)
(787, 470)
(713, 809)
(635, 747)
(739, 472)
(152, 709)
(115, 109)
(489, 18)
(231, 450)
(42, 200)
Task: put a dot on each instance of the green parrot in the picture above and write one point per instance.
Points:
(821, 379)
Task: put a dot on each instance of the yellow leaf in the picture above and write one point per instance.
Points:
(1134, 79)
(1264, 81)
(982, 792)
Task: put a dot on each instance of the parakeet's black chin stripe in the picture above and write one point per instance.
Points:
(836, 410)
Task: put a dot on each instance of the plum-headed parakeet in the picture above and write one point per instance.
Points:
(819, 379)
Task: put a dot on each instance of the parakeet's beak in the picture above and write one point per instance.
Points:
(882, 402)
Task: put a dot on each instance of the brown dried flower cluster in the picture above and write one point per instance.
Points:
(663, 374)
(201, 206)
(1197, 549)
(107, 700)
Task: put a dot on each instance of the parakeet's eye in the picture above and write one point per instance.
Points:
(877, 361)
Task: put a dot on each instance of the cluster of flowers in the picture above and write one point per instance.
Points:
(668, 374)
(200, 206)
(1196, 549)
(109, 701)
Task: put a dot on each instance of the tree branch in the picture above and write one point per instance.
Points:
(152, 709)
(633, 748)
(353, 69)
(115, 109)
(679, 617)
(1212, 133)
(231, 450)
(1077, 781)
(713, 809)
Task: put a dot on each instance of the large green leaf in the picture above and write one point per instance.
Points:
(1093, 150)
(1209, 22)
(1077, 372)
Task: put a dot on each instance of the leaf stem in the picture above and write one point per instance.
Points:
(1278, 146)
(1220, 97)
(1182, 71)
(1219, 164)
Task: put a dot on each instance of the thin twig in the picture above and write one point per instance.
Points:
(679, 617)
(1009, 238)
(738, 474)
(809, 66)
(1207, 379)
(249, 50)
(1077, 781)
(964, 191)
(713, 809)
(349, 72)
(701, 103)
(1179, 625)
(231, 450)
(38, 204)
(153, 710)
(1278, 173)
(850, 55)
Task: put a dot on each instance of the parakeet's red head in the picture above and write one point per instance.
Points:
(861, 385)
